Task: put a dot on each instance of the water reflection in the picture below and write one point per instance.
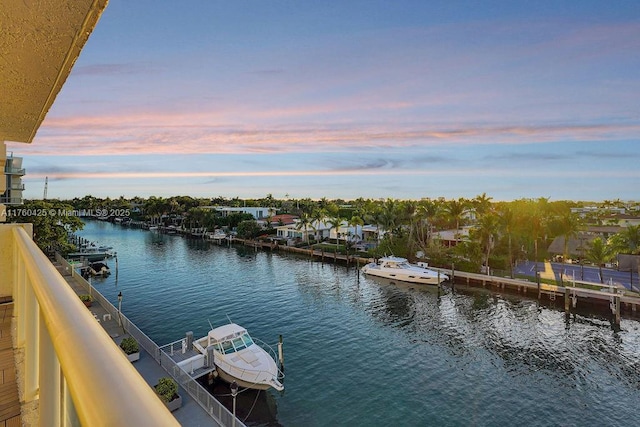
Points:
(466, 356)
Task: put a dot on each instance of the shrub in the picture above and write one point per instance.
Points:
(129, 345)
(85, 298)
(166, 389)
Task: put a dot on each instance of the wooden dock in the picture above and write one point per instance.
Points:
(610, 297)
(604, 296)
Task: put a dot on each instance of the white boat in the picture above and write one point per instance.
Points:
(397, 268)
(238, 358)
(93, 253)
(217, 235)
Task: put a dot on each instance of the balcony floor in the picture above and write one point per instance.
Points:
(9, 401)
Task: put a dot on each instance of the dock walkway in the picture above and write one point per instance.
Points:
(190, 413)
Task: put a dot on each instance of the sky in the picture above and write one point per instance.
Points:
(347, 99)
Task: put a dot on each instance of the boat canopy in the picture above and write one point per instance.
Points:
(229, 338)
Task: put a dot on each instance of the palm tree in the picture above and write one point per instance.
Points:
(567, 226)
(455, 209)
(303, 223)
(627, 241)
(599, 253)
(354, 222)
(317, 218)
(507, 222)
(389, 217)
(486, 231)
(482, 203)
(335, 222)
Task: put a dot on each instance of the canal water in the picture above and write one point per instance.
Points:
(362, 352)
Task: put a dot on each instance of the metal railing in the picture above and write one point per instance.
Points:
(209, 403)
(14, 171)
(11, 200)
(71, 366)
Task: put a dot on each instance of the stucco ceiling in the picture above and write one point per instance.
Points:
(40, 41)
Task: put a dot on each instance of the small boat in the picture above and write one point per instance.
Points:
(91, 256)
(398, 268)
(97, 269)
(238, 358)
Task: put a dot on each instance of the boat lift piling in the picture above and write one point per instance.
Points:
(281, 356)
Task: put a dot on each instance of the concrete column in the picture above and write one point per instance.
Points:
(31, 344)
(69, 414)
(19, 299)
(49, 381)
(3, 181)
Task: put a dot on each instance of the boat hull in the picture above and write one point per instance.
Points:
(241, 383)
(409, 277)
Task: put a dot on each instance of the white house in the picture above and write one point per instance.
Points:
(317, 230)
(257, 212)
(347, 232)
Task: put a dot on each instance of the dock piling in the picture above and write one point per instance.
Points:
(281, 354)
(189, 340)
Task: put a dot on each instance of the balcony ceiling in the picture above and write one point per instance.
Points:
(40, 41)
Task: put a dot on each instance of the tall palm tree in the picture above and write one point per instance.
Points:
(455, 209)
(354, 222)
(481, 203)
(317, 217)
(486, 232)
(303, 224)
(599, 253)
(628, 240)
(567, 226)
(507, 222)
(335, 222)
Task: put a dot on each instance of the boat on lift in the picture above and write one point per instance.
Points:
(238, 358)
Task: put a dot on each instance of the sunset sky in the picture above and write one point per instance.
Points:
(347, 99)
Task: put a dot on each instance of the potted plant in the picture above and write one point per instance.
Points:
(167, 390)
(86, 299)
(131, 348)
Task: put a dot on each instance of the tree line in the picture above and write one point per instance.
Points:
(489, 233)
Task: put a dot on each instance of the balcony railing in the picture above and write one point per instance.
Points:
(10, 200)
(16, 186)
(14, 171)
(75, 371)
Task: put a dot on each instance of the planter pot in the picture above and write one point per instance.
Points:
(133, 356)
(87, 303)
(175, 403)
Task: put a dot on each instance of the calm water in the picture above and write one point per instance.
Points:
(360, 352)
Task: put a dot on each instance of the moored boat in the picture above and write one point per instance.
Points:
(397, 268)
(238, 358)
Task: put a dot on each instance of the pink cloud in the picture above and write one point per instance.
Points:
(165, 133)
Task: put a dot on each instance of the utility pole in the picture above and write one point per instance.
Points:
(46, 184)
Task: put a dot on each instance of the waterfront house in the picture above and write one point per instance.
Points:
(316, 230)
(258, 213)
(450, 238)
(277, 220)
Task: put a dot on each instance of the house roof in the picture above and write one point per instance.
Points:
(576, 246)
(284, 218)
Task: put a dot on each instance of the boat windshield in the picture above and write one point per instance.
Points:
(235, 344)
(247, 340)
(227, 347)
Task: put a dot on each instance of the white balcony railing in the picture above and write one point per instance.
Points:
(71, 365)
